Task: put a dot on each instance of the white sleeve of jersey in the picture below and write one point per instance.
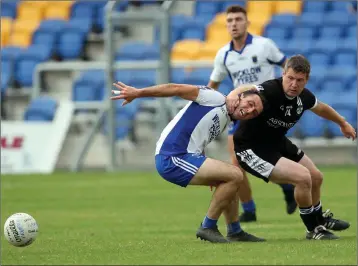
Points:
(219, 71)
(210, 97)
(274, 54)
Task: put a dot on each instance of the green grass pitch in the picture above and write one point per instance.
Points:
(138, 218)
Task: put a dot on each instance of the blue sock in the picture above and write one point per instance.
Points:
(234, 228)
(209, 223)
(249, 206)
(287, 187)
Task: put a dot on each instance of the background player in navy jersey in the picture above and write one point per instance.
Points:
(263, 150)
(247, 59)
(179, 155)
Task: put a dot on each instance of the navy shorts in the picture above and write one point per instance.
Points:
(232, 127)
(179, 169)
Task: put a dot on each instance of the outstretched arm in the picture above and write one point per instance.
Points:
(325, 111)
(128, 93)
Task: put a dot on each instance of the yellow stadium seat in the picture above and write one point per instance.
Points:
(293, 7)
(217, 32)
(219, 19)
(6, 24)
(25, 26)
(259, 18)
(185, 50)
(208, 51)
(56, 11)
(20, 39)
(260, 7)
(29, 12)
(256, 29)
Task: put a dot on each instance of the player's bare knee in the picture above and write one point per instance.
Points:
(317, 178)
(303, 179)
(237, 173)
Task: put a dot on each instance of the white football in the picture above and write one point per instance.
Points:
(20, 229)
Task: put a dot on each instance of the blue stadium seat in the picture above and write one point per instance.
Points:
(351, 31)
(89, 87)
(41, 109)
(11, 52)
(348, 43)
(83, 10)
(328, 97)
(25, 64)
(194, 33)
(225, 86)
(318, 72)
(198, 76)
(330, 32)
(339, 6)
(345, 57)
(350, 115)
(311, 19)
(124, 76)
(8, 9)
(315, 6)
(334, 84)
(137, 50)
(143, 78)
(297, 46)
(304, 32)
(312, 84)
(6, 74)
(346, 72)
(206, 8)
(337, 18)
(72, 39)
(277, 32)
(177, 75)
(44, 38)
(312, 125)
(283, 19)
(318, 57)
(327, 45)
(99, 16)
(226, 4)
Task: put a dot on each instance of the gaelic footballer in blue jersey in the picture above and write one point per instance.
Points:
(247, 59)
(263, 149)
(179, 154)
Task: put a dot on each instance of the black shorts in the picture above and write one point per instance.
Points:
(259, 160)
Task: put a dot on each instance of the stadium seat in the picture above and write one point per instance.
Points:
(6, 74)
(311, 19)
(257, 27)
(297, 46)
(58, 10)
(31, 10)
(25, 26)
(99, 15)
(185, 50)
(336, 18)
(338, 6)
(208, 51)
(213, 31)
(83, 10)
(25, 63)
(87, 90)
(123, 123)
(328, 97)
(143, 78)
(330, 32)
(345, 57)
(327, 45)
(348, 43)
(264, 7)
(177, 75)
(71, 40)
(206, 8)
(283, 19)
(41, 109)
(318, 57)
(350, 114)
(8, 9)
(312, 125)
(315, 6)
(277, 32)
(226, 4)
(318, 71)
(332, 84)
(259, 19)
(137, 50)
(346, 72)
(20, 39)
(351, 32)
(199, 76)
(293, 7)
(304, 32)
(194, 33)
(6, 24)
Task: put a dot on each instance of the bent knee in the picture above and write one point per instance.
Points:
(303, 178)
(317, 177)
(236, 175)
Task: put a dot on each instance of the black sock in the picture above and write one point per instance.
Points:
(289, 192)
(319, 213)
(309, 218)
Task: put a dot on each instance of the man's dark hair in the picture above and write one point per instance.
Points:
(299, 64)
(236, 9)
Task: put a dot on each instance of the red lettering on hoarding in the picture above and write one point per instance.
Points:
(12, 142)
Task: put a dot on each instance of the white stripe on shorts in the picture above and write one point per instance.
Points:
(183, 166)
(256, 163)
(188, 164)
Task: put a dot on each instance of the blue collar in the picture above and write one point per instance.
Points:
(247, 41)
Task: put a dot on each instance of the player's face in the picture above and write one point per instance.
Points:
(250, 106)
(237, 24)
(293, 82)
